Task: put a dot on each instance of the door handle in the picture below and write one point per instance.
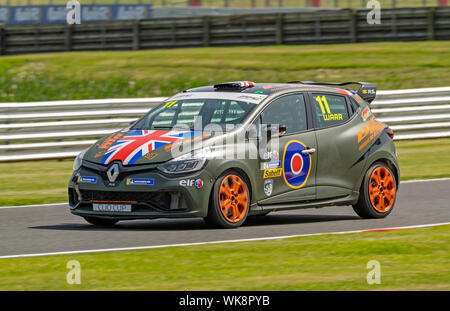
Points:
(309, 151)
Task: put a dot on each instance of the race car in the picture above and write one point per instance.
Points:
(237, 149)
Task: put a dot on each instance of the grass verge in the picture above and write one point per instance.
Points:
(147, 73)
(424, 158)
(40, 182)
(415, 259)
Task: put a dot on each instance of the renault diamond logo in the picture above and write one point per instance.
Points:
(113, 172)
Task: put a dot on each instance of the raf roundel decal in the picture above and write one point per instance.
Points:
(297, 165)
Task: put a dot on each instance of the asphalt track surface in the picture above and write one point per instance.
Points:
(52, 228)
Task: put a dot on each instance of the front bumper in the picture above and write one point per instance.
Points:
(165, 196)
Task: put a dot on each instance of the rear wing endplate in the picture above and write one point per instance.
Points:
(366, 91)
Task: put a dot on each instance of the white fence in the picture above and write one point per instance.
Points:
(61, 129)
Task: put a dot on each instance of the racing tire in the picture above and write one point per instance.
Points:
(378, 192)
(101, 221)
(229, 202)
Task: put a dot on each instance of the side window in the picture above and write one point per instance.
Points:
(330, 110)
(354, 104)
(288, 110)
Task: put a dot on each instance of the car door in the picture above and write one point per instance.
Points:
(338, 164)
(288, 170)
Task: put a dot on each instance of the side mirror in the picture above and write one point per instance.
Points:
(278, 131)
(251, 133)
(282, 130)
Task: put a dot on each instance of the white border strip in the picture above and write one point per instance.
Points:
(214, 242)
(36, 205)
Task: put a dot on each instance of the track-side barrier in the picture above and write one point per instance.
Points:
(61, 129)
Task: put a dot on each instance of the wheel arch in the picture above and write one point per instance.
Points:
(239, 169)
(365, 207)
(384, 160)
(212, 217)
(391, 165)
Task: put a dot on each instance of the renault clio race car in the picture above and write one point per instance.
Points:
(235, 149)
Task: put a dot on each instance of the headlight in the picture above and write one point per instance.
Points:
(186, 163)
(78, 160)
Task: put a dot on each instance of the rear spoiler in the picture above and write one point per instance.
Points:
(366, 91)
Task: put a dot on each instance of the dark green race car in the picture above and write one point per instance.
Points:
(235, 149)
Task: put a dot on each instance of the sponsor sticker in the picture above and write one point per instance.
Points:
(141, 181)
(151, 155)
(247, 97)
(369, 131)
(365, 114)
(198, 183)
(268, 187)
(270, 165)
(170, 104)
(296, 165)
(369, 91)
(87, 180)
(325, 109)
(270, 155)
(100, 154)
(273, 173)
(110, 140)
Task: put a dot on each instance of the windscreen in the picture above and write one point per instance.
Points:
(197, 112)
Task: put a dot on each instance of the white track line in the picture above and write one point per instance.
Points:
(65, 203)
(424, 180)
(214, 242)
(36, 205)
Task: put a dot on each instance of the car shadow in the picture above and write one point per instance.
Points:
(198, 223)
(288, 219)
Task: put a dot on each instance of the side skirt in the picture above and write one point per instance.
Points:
(345, 200)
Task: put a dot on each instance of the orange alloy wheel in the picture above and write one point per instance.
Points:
(233, 198)
(382, 189)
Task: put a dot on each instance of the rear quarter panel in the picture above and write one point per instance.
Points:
(340, 161)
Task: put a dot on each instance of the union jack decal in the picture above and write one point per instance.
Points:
(135, 144)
